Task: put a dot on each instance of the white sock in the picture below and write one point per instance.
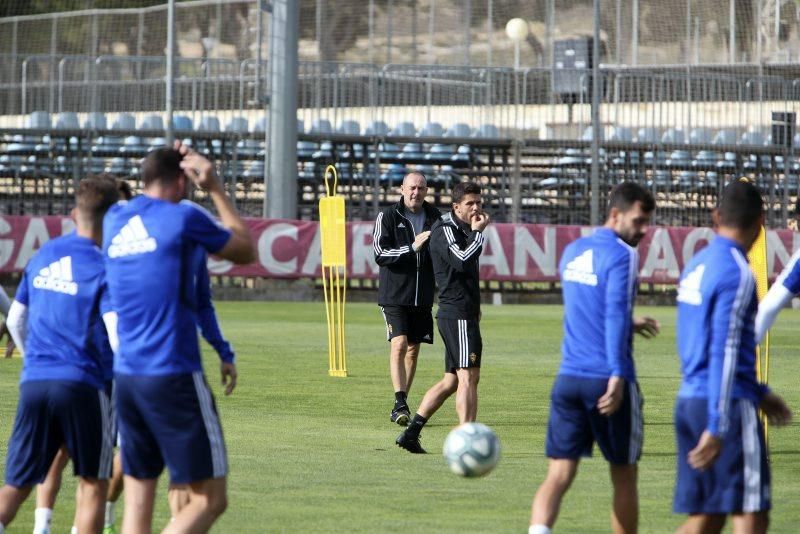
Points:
(73, 530)
(42, 517)
(110, 519)
(539, 529)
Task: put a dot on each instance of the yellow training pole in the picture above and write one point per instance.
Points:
(334, 271)
(757, 257)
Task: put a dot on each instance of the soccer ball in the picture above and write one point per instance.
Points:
(471, 450)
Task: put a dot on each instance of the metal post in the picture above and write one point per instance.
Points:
(596, 82)
(53, 51)
(688, 31)
(371, 24)
(777, 25)
(431, 28)
(635, 34)
(281, 182)
(732, 31)
(169, 133)
(259, 42)
(489, 31)
(516, 55)
(318, 30)
(14, 73)
(390, 12)
(414, 59)
(467, 31)
(618, 44)
(758, 25)
(516, 182)
(95, 35)
(549, 24)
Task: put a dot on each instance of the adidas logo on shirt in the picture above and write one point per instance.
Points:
(689, 289)
(132, 239)
(580, 270)
(401, 225)
(57, 277)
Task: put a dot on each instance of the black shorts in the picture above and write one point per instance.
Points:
(416, 323)
(462, 343)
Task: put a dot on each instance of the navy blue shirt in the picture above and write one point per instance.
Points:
(151, 249)
(715, 332)
(64, 288)
(598, 279)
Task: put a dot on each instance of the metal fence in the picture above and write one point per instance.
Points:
(682, 131)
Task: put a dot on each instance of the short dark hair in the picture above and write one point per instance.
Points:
(161, 165)
(626, 194)
(125, 191)
(741, 205)
(465, 188)
(95, 195)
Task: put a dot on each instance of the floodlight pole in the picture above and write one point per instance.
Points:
(169, 133)
(281, 183)
(594, 198)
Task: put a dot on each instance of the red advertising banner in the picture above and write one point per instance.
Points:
(512, 252)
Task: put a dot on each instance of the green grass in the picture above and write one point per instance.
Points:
(312, 453)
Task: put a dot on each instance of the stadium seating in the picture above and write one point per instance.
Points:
(431, 129)
(321, 126)
(458, 129)
(487, 131)
(377, 128)
(404, 129)
(349, 127)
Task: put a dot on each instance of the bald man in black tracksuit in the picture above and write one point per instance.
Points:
(456, 245)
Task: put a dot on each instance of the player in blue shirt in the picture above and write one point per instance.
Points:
(722, 457)
(595, 396)
(55, 319)
(165, 409)
(785, 288)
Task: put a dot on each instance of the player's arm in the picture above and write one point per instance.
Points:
(209, 328)
(386, 249)
(239, 247)
(5, 302)
(458, 257)
(619, 291)
(17, 323)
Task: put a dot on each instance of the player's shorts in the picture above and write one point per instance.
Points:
(739, 480)
(170, 420)
(109, 389)
(412, 321)
(575, 423)
(54, 413)
(462, 343)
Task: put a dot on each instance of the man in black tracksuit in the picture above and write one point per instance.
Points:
(456, 245)
(406, 287)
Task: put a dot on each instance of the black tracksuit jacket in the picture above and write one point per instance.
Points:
(406, 277)
(455, 249)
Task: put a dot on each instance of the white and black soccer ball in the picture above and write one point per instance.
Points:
(471, 450)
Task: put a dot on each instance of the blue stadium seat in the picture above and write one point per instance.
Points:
(301, 126)
(119, 167)
(377, 128)
(67, 120)
(411, 151)
(647, 135)
(238, 125)
(462, 153)
(255, 170)
(124, 121)
(182, 122)
(152, 122)
(325, 151)
(38, 119)
(588, 134)
(440, 153)
(725, 137)
(386, 151)
(133, 144)
(321, 126)
(394, 174)
(621, 134)
(458, 129)
(208, 123)
(262, 124)
(487, 131)
(404, 129)
(674, 136)
(96, 121)
(431, 129)
(349, 127)
(305, 149)
(753, 137)
(700, 136)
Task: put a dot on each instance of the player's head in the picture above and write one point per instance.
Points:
(125, 191)
(467, 201)
(162, 174)
(414, 189)
(94, 196)
(741, 209)
(629, 209)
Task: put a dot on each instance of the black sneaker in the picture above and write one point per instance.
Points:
(401, 416)
(410, 444)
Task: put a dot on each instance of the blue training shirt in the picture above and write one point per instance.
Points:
(206, 316)
(151, 249)
(598, 280)
(790, 275)
(64, 288)
(716, 320)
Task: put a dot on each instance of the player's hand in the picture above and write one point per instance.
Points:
(612, 399)
(198, 168)
(647, 327)
(776, 410)
(421, 239)
(228, 372)
(705, 452)
(10, 345)
(480, 221)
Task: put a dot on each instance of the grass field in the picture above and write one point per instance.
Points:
(310, 453)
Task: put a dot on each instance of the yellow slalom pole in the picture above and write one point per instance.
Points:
(334, 271)
(757, 256)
